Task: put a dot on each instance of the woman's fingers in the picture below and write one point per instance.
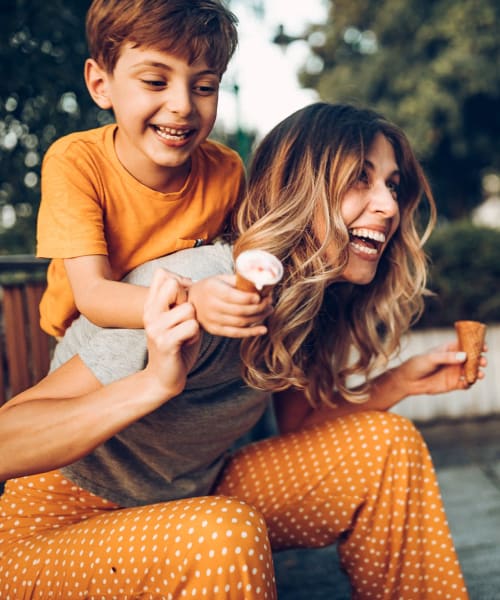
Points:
(165, 291)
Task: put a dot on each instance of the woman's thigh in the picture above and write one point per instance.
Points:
(366, 481)
(59, 541)
(310, 485)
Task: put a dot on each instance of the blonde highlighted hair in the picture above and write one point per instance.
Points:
(323, 332)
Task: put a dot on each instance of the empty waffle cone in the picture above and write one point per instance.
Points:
(471, 336)
(257, 271)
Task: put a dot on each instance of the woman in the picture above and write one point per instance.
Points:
(122, 482)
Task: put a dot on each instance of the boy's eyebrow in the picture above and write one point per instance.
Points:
(159, 65)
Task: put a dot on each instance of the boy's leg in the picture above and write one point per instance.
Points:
(367, 482)
(59, 541)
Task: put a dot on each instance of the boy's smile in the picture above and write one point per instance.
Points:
(164, 107)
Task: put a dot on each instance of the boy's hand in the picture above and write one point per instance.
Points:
(223, 310)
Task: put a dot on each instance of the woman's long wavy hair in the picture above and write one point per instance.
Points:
(323, 331)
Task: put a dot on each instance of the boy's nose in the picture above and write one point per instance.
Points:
(179, 100)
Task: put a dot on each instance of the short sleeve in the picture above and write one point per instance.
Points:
(70, 217)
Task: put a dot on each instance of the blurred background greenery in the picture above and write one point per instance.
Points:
(432, 66)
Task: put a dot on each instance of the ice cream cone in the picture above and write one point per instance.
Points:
(245, 284)
(257, 271)
(471, 336)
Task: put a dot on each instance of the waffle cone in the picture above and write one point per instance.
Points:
(471, 336)
(245, 284)
(248, 286)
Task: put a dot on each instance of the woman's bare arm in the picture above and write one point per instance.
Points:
(65, 417)
(69, 413)
(435, 372)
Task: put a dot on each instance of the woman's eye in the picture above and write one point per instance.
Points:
(394, 187)
(363, 177)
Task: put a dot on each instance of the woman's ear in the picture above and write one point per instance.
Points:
(97, 80)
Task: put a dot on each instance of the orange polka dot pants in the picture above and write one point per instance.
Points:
(365, 481)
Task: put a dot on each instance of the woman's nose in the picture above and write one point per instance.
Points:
(384, 200)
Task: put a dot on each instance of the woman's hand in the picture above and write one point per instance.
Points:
(172, 331)
(435, 372)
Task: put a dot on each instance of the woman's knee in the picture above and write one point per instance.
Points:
(387, 429)
(226, 550)
(233, 524)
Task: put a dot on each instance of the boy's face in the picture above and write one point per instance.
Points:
(164, 108)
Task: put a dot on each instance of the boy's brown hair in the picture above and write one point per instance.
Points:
(187, 28)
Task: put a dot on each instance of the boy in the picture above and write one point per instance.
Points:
(151, 183)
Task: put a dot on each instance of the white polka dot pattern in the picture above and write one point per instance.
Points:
(365, 481)
(58, 541)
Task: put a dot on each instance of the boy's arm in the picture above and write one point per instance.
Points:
(103, 300)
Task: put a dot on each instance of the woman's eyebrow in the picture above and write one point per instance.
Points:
(369, 165)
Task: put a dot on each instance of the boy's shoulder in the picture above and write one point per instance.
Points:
(98, 137)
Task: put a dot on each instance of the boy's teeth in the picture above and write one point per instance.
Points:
(169, 132)
(378, 236)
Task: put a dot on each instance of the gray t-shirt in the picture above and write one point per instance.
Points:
(178, 450)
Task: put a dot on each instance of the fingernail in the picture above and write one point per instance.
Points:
(461, 356)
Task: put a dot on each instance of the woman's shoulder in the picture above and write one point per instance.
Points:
(195, 263)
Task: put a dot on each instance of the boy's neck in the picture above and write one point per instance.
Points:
(164, 179)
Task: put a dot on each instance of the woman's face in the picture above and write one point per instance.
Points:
(370, 211)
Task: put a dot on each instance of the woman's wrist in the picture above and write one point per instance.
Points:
(156, 390)
(389, 388)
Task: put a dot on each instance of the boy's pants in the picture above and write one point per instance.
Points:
(365, 481)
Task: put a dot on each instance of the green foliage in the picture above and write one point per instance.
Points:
(42, 97)
(432, 67)
(464, 274)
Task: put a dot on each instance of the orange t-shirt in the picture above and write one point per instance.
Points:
(92, 205)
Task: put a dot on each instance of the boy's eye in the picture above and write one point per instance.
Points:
(156, 83)
(205, 89)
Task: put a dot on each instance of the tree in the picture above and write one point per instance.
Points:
(432, 67)
(42, 96)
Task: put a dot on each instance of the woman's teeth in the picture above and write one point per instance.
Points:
(362, 248)
(369, 234)
(366, 240)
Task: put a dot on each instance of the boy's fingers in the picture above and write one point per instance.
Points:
(236, 296)
(239, 332)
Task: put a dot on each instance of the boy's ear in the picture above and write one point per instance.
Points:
(97, 80)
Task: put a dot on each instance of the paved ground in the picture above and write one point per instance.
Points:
(467, 458)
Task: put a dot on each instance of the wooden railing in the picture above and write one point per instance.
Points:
(24, 348)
